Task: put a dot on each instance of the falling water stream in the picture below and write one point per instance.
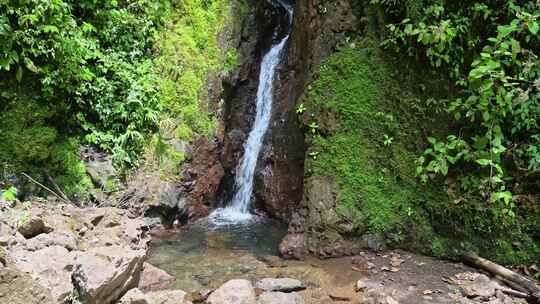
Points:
(237, 211)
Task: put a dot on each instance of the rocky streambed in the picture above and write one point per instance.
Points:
(65, 254)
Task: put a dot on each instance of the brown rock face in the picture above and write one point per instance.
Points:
(319, 26)
(206, 172)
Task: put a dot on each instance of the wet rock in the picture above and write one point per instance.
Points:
(280, 298)
(17, 287)
(32, 227)
(203, 176)
(136, 296)
(293, 246)
(153, 278)
(233, 292)
(281, 284)
(103, 274)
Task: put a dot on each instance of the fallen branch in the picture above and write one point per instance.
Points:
(527, 284)
(46, 188)
(59, 191)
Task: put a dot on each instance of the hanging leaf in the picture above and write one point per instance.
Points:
(19, 74)
(30, 65)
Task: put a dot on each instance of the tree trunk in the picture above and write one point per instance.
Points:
(524, 282)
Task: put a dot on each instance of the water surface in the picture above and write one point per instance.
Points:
(205, 255)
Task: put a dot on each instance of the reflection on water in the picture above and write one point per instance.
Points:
(206, 255)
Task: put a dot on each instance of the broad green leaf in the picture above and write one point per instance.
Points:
(533, 27)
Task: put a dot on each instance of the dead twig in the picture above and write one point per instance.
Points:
(47, 188)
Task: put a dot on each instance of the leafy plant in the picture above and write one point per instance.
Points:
(300, 109)
(498, 108)
(313, 127)
(9, 194)
(387, 140)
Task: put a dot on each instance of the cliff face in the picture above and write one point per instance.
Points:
(317, 28)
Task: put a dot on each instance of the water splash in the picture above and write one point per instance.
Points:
(238, 209)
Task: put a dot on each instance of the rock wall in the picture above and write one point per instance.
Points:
(317, 28)
(320, 27)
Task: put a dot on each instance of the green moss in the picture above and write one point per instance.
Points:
(231, 60)
(370, 116)
(366, 143)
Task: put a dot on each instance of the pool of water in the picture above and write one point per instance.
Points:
(205, 255)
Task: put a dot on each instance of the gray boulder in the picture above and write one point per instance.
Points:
(136, 296)
(102, 275)
(281, 284)
(51, 267)
(233, 292)
(280, 298)
(64, 239)
(17, 287)
(33, 226)
(153, 278)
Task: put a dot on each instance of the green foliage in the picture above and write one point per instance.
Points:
(90, 62)
(189, 51)
(489, 158)
(489, 50)
(370, 119)
(9, 194)
(76, 69)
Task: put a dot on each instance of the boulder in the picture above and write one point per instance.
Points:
(99, 167)
(33, 226)
(481, 287)
(136, 296)
(64, 239)
(153, 278)
(280, 298)
(104, 274)
(281, 284)
(233, 292)
(3, 257)
(293, 246)
(51, 267)
(17, 287)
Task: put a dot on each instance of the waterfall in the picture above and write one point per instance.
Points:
(237, 210)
